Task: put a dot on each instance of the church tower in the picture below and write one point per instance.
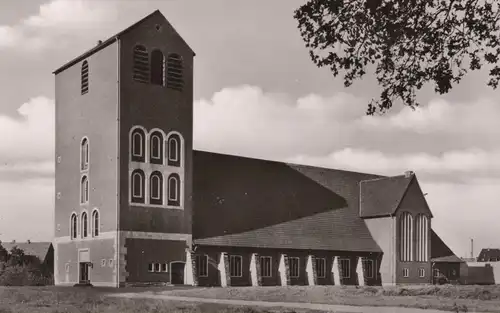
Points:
(124, 138)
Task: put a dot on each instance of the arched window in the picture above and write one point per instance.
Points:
(174, 150)
(138, 145)
(138, 186)
(85, 77)
(406, 237)
(174, 190)
(156, 191)
(157, 68)
(95, 223)
(175, 78)
(84, 154)
(84, 189)
(85, 225)
(156, 148)
(141, 64)
(422, 241)
(73, 226)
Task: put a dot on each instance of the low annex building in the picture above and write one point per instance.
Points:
(136, 204)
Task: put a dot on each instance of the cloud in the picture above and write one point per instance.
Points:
(59, 20)
(470, 162)
(27, 143)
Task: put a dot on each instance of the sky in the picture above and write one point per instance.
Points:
(257, 94)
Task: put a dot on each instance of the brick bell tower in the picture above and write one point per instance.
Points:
(124, 139)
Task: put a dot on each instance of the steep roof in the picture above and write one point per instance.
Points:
(487, 254)
(440, 252)
(382, 196)
(38, 249)
(249, 202)
(112, 39)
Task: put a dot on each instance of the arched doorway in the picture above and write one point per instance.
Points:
(177, 272)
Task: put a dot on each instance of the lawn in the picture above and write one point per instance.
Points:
(93, 300)
(449, 298)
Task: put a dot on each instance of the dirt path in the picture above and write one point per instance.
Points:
(291, 305)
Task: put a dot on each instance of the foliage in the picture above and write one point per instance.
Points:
(407, 42)
(19, 269)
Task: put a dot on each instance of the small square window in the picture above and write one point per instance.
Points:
(164, 267)
(406, 272)
(103, 262)
(151, 267)
(157, 267)
(110, 262)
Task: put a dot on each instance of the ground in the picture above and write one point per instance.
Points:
(163, 299)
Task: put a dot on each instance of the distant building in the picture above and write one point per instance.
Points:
(135, 203)
(489, 255)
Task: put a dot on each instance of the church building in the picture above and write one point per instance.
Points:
(135, 203)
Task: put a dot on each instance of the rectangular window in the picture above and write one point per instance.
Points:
(406, 272)
(103, 262)
(369, 268)
(235, 265)
(436, 272)
(421, 272)
(345, 267)
(164, 267)
(151, 267)
(110, 262)
(202, 265)
(157, 267)
(321, 267)
(294, 266)
(266, 266)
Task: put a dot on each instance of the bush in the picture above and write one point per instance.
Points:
(22, 275)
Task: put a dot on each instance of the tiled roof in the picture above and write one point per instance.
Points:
(258, 203)
(440, 252)
(382, 196)
(112, 39)
(488, 253)
(38, 249)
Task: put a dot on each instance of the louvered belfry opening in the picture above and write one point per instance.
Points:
(85, 77)
(174, 72)
(141, 64)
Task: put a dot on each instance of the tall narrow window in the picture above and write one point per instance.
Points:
(95, 223)
(84, 190)
(266, 266)
(368, 267)
(321, 267)
(294, 264)
(422, 240)
(174, 150)
(202, 265)
(174, 192)
(156, 189)
(406, 237)
(85, 225)
(156, 150)
(175, 78)
(84, 154)
(345, 267)
(141, 64)
(157, 68)
(236, 266)
(138, 186)
(138, 144)
(73, 226)
(85, 77)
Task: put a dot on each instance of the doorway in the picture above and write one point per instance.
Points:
(177, 273)
(84, 273)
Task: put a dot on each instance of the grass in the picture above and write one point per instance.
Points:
(93, 300)
(448, 297)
